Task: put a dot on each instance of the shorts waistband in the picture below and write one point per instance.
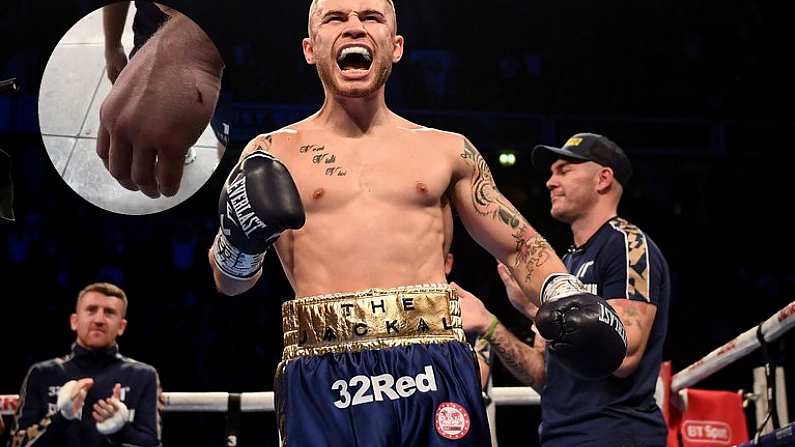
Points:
(371, 319)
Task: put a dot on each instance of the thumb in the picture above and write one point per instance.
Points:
(117, 391)
(505, 274)
(103, 142)
(458, 289)
(85, 384)
(167, 10)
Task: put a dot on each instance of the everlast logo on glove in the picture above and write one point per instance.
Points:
(240, 205)
(584, 333)
(260, 200)
(609, 317)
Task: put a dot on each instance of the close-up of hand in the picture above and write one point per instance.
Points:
(110, 414)
(158, 107)
(474, 315)
(167, 10)
(514, 292)
(72, 396)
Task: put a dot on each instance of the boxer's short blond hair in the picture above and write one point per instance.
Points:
(313, 7)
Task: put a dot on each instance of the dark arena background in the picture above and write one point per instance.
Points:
(698, 93)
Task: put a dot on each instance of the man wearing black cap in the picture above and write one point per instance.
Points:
(617, 261)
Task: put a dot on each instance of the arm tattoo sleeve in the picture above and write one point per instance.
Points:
(522, 361)
(486, 199)
(532, 249)
(631, 316)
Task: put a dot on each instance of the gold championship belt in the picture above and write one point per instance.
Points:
(371, 319)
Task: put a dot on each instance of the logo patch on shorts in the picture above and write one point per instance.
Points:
(452, 420)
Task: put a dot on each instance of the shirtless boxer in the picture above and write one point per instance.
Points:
(374, 350)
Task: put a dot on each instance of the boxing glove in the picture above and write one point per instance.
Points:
(584, 333)
(257, 203)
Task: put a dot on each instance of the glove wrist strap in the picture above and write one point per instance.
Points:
(234, 263)
(560, 285)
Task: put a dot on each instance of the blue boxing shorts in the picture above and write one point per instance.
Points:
(379, 368)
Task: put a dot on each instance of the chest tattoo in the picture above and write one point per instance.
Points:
(323, 159)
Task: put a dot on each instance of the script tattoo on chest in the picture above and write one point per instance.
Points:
(336, 171)
(311, 148)
(324, 159)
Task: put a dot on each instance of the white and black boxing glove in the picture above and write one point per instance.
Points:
(583, 332)
(257, 203)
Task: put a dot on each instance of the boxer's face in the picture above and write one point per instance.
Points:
(353, 43)
(98, 320)
(572, 189)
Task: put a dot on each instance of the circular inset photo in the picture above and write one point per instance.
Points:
(125, 107)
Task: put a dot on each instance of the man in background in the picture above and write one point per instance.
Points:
(93, 396)
(615, 260)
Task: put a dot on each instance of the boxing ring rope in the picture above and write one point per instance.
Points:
(218, 402)
(771, 329)
(747, 342)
